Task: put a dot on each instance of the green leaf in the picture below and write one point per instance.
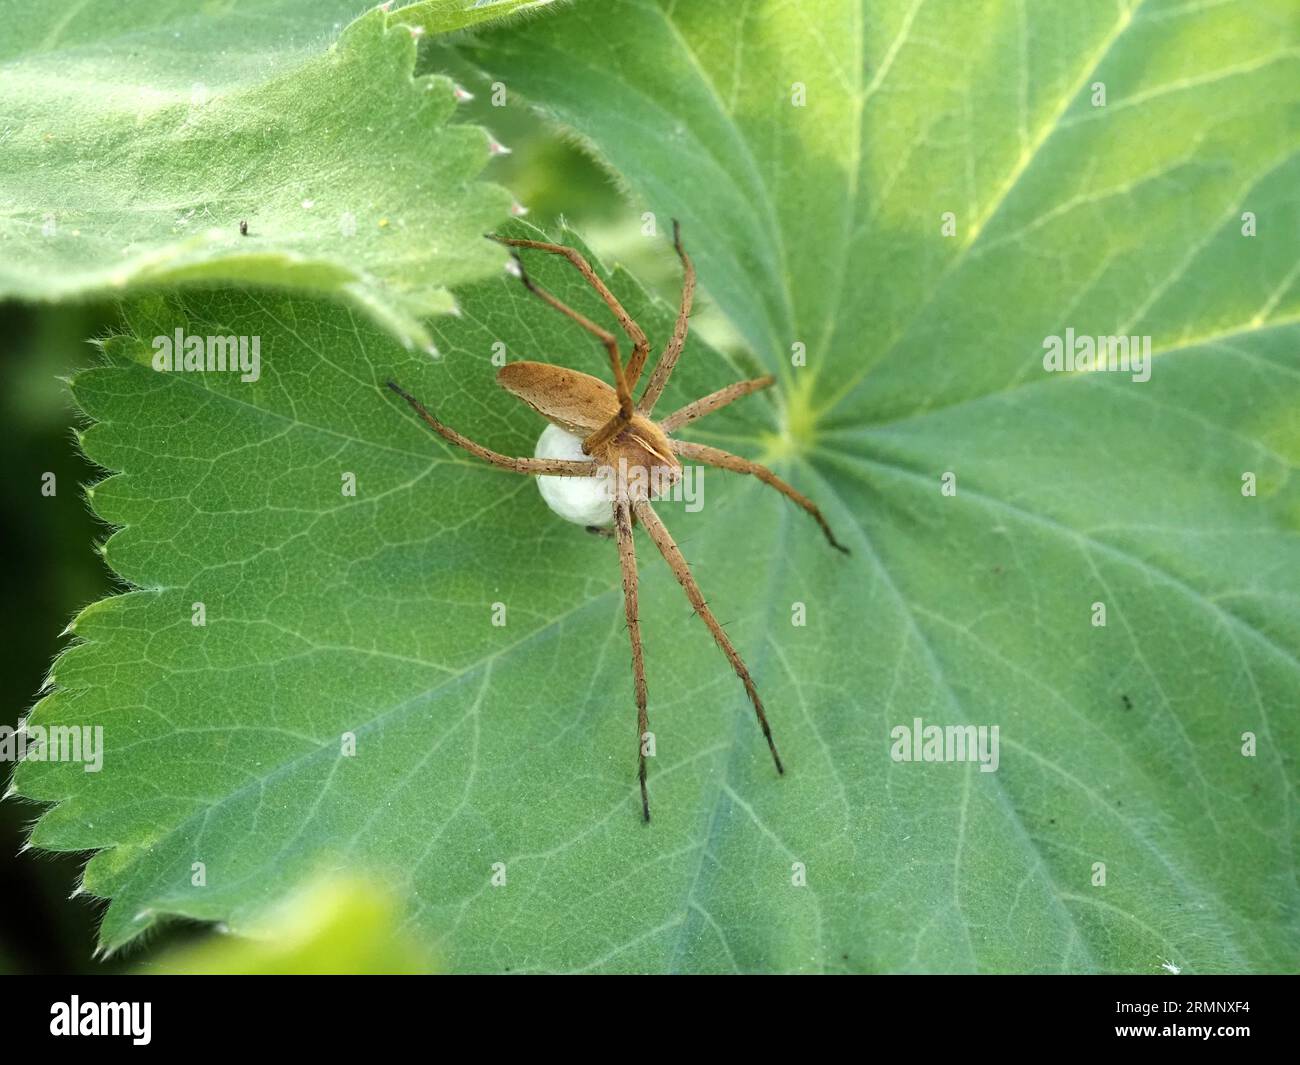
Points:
(1119, 744)
(138, 136)
(821, 223)
(1105, 166)
(446, 16)
(327, 614)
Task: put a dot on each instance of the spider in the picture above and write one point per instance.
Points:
(602, 433)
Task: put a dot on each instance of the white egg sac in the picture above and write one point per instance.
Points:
(581, 500)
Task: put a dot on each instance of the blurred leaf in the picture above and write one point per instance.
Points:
(337, 926)
(138, 136)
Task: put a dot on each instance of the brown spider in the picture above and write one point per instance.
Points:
(619, 435)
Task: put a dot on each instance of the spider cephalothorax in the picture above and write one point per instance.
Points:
(581, 404)
(629, 454)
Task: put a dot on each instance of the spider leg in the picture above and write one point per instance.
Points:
(725, 460)
(673, 556)
(640, 345)
(664, 369)
(603, 335)
(714, 401)
(627, 562)
(552, 467)
(624, 382)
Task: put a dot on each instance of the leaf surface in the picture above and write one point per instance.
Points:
(822, 225)
(1113, 169)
